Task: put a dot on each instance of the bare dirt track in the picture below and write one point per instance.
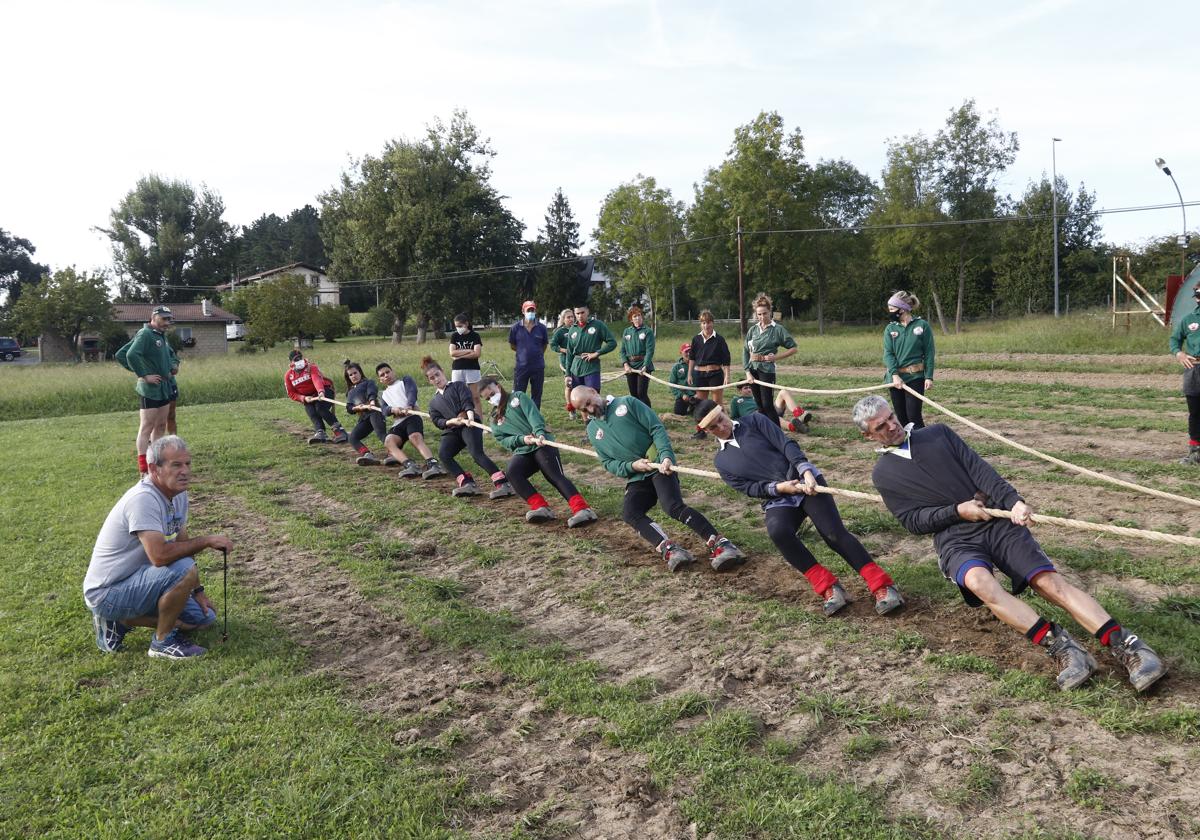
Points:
(818, 683)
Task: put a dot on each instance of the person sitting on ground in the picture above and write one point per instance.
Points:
(399, 399)
(558, 343)
(792, 418)
(685, 398)
(755, 457)
(934, 483)
(519, 427)
(143, 572)
(362, 399)
(622, 432)
(637, 354)
(452, 410)
(306, 385)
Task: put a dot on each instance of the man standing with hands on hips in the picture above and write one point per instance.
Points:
(528, 339)
(150, 357)
(1185, 344)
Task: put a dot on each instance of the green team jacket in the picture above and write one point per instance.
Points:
(149, 353)
(908, 345)
(521, 418)
(626, 432)
(558, 341)
(638, 343)
(1186, 335)
(592, 337)
(679, 377)
(761, 341)
(741, 406)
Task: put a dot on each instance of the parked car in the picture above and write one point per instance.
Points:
(10, 348)
(235, 331)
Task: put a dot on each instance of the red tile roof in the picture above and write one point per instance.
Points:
(183, 312)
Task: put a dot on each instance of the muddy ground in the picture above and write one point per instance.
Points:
(697, 631)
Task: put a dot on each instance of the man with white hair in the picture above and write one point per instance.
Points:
(934, 483)
(142, 572)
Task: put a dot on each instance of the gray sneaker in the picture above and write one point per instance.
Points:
(502, 490)
(834, 598)
(1074, 663)
(467, 488)
(367, 460)
(319, 437)
(409, 470)
(584, 517)
(1144, 666)
(340, 436)
(888, 599)
(676, 556)
(537, 515)
(110, 635)
(725, 555)
(433, 470)
(1193, 456)
(175, 646)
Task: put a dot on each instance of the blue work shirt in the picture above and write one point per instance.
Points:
(530, 344)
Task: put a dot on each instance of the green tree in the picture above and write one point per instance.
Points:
(278, 309)
(424, 213)
(332, 322)
(169, 240)
(841, 196)
(558, 285)
(66, 303)
(637, 222)
(17, 268)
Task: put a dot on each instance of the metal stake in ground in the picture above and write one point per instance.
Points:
(225, 593)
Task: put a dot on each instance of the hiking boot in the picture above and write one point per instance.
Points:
(798, 427)
(467, 488)
(724, 554)
(1193, 456)
(833, 599)
(1074, 663)
(340, 436)
(367, 460)
(409, 470)
(583, 517)
(538, 515)
(1143, 664)
(319, 437)
(676, 556)
(888, 599)
(175, 646)
(110, 635)
(391, 461)
(433, 469)
(503, 489)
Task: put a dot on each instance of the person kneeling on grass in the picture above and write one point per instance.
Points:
(306, 385)
(685, 398)
(755, 457)
(142, 572)
(519, 427)
(452, 410)
(362, 399)
(792, 418)
(399, 399)
(622, 432)
(934, 483)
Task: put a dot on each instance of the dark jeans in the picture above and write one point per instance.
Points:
(455, 440)
(368, 421)
(545, 460)
(908, 407)
(321, 413)
(784, 522)
(638, 386)
(764, 398)
(684, 407)
(664, 490)
(533, 379)
(1193, 404)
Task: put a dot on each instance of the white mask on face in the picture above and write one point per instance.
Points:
(494, 399)
(298, 364)
(531, 315)
(461, 330)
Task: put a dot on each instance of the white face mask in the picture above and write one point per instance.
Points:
(531, 316)
(494, 399)
(461, 330)
(299, 364)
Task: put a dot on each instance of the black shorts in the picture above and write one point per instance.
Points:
(1004, 546)
(146, 402)
(704, 380)
(407, 427)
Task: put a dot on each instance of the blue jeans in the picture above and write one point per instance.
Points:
(531, 378)
(138, 594)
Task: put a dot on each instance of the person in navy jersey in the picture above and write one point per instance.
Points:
(528, 339)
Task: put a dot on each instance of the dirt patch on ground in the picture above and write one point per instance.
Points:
(810, 376)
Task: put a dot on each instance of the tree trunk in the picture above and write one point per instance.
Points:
(820, 304)
(398, 318)
(962, 287)
(422, 327)
(937, 305)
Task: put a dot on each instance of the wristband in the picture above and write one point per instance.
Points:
(198, 590)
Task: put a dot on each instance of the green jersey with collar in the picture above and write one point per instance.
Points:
(626, 432)
(592, 337)
(907, 345)
(638, 343)
(762, 340)
(521, 417)
(1186, 335)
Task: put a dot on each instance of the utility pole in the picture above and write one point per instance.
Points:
(1054, 212)
(741, 287)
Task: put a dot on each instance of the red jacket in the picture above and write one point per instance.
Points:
(305, 383)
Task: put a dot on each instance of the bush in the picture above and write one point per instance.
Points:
(332, 322)
(378, 321)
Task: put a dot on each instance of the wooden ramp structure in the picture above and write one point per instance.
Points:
(1134, 292)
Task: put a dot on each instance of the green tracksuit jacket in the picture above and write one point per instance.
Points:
(626, 432)
(521, 417)
(908, 345)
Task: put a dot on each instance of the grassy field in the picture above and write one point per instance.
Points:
(402, 664)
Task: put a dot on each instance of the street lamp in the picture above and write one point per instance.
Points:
(1183, 240)
(1054, 211)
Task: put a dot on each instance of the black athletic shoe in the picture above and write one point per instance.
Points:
(433, 470)
(410, 470)
(1074, 663)
(1144, 666)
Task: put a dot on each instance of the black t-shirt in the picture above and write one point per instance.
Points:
(465, 342)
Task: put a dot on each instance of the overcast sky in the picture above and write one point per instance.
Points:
(266, 102)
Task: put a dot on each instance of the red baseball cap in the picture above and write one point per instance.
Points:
(685, 348)
(527, 305)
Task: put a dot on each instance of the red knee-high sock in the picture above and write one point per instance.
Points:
(875, 577)
(577, 503)
(143, 467)
(536, 501)
(820, 578)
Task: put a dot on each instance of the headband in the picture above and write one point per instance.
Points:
(710, 418)
(899, 303)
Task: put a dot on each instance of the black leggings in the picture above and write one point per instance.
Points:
(368, 421)
(545, 460)
(1193, 404)
(784, 522)
(664, 490)
(908, 407)
(765, 397)
(455, 440)
(684, 407)
(321, 413)
(639, 386)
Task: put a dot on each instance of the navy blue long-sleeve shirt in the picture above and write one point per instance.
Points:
(763, 457)
(451, 402)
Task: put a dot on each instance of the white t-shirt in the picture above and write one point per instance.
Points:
(396, 395)
(118, 552)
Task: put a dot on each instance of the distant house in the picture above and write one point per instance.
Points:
(326, 290)
(200, 326)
